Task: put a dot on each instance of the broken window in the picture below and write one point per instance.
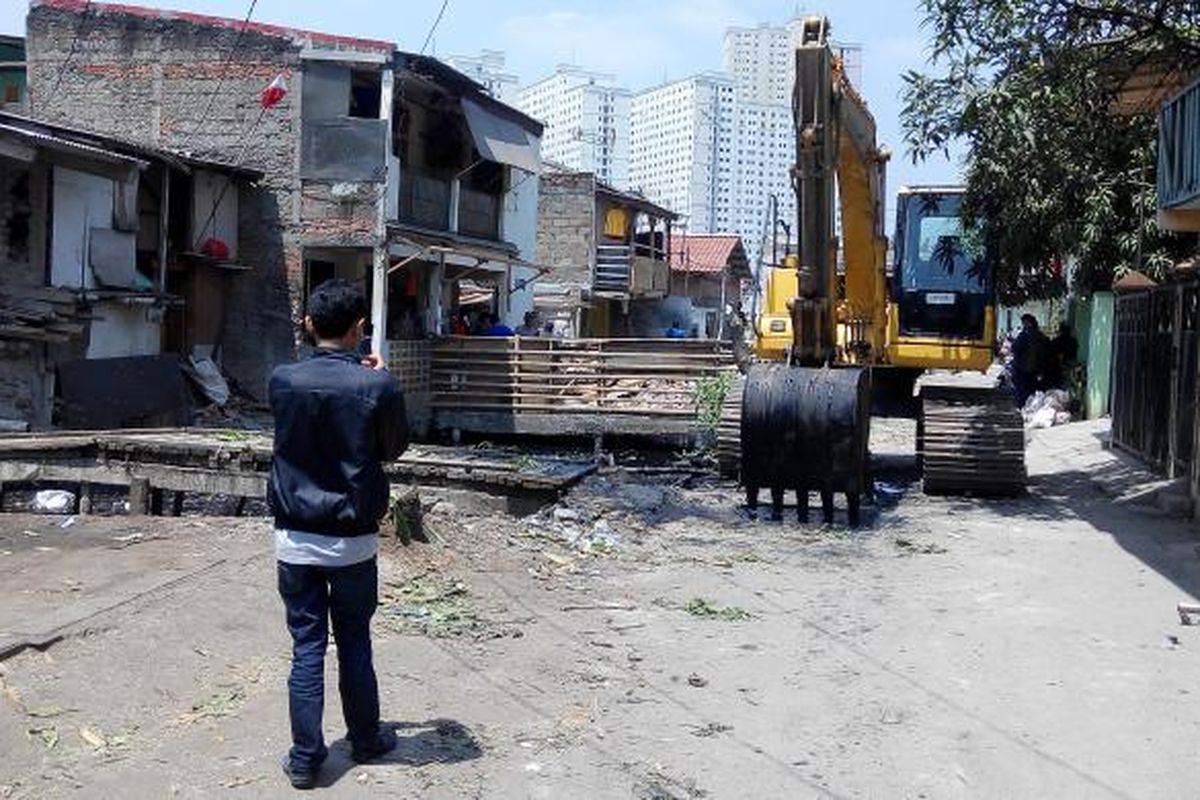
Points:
(366, 90)
(343, 138)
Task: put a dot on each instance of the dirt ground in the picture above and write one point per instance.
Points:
(642, 639)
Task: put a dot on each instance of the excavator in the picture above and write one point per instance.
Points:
(834, 324)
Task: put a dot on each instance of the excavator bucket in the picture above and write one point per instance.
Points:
(806, 429)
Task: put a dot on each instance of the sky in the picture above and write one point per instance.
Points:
(642, 42)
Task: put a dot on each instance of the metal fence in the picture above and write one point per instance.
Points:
(1154, 375)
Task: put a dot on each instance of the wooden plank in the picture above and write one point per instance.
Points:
(573, 407)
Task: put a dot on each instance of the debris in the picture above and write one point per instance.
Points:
(404, 512)
(1187, 611)
(53, 501)
(94, 739)
(1171, 642)
(565, 514)
(223, 704)
(363, 778)
(436, 607)
(11, 694)
(130, 539)
(557, 560)
(643, 498)
(1047, 409)
(601, 607)
(44, 712)
(238, 782)
(47, 733)
(208, 378)
(699, 607)
(912, 548)
(710, 729)
(697, 681)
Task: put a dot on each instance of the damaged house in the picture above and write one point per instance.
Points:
(113, 257)
(708, 271)
(605, 252)
(380, 167)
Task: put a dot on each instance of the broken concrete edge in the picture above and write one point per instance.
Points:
(78, 626)
(27, 642)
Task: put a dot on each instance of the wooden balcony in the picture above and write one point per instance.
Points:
(631, 270)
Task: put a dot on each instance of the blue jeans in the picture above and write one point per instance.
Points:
(313, 597)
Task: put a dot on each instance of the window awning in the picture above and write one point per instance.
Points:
(498, 139)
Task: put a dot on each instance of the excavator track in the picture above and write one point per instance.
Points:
(729, 432)
(970, 438)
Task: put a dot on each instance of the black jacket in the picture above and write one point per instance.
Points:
(335, 422)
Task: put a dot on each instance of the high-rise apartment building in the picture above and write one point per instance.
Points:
(762, 63)
(487, 69)
(587, 122)
(681, 150)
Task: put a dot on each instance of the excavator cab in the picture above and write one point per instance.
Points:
(943, 311)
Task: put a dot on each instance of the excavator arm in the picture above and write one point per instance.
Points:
(835, 144)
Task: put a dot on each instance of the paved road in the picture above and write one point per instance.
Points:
(643, 642)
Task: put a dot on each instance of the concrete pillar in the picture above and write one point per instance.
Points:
(380, 260)
(139, 497)
(379, 281)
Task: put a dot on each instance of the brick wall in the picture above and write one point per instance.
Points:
(167, 82)
(566, 227)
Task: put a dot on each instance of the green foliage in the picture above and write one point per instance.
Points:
(699, 607)
(1053, 171)
(711, 391)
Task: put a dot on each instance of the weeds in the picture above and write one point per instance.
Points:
(699, 607)
(711, 391)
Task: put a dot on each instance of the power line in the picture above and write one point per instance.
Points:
(434, 26)
(83, 18)
(245, 143)
(224, 64)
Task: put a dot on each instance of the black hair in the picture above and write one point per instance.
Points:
(335, 307)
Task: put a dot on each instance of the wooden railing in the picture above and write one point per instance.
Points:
(651, 377)
(637, 270)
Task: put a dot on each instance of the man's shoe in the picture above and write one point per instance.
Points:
(299, 780)
(385, 742)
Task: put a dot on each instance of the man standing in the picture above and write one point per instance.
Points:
(530, 326)
(1030, 350)
(338, 416)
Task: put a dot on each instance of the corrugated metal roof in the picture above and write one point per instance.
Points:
(98, 143)
(709, 253)
(42, 139)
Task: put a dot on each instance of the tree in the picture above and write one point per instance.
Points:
(1054, 169)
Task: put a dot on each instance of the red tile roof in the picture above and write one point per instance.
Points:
(708, 253)
(297, 35)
